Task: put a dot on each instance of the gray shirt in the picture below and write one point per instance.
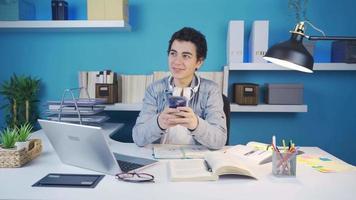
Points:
(206, 103)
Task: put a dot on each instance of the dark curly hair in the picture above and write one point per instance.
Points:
(191, 35)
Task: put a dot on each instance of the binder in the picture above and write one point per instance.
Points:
(258, 41)
(235, 42)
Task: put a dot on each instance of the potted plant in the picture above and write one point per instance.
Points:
(21, 93)
(299, 7)
(23, 134)
(8, 139)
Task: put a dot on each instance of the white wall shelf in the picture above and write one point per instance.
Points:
(274, 67)
(271, 66)
(65, 25)
(124, 107)
(234, 108)
(268, 108)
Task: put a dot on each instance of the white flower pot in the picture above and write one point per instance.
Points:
(21, 145)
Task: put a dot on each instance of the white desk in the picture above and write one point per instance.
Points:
(308, 184)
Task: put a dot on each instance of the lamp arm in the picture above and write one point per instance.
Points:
(329, 37)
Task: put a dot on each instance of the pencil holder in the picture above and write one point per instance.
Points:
(284, 164)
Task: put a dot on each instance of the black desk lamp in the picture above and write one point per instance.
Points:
(292, 54)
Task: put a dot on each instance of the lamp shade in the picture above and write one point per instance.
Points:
(291, 54)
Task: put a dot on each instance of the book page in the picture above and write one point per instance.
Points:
(167, 151)
(190, 170)
(179, 151)
(253, 153)
(224, 163)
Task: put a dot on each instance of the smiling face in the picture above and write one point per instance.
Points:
(183, 61)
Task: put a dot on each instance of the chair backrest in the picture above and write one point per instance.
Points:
(227, 114)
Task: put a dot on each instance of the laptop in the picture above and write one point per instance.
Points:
(86, 147)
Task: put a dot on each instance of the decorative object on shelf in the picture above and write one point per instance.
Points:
(21, 94)
(235, 42)
(107, 10)
(59, 10)
(19, 157)
(258, 41)
(292, 53)
(12, 10)
(343, 51)
(106, 86)
(284, 94)
(246, 93)
(107, 91)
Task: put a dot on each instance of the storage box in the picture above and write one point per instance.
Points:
(343, 51)
(11, 10)
(246, 93)
(285, 94)
(107, 91)
(107, 9)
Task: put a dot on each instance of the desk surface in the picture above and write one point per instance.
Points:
(308, 184)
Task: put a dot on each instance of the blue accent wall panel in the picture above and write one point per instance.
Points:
(56, 57)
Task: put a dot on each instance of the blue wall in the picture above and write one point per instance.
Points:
(55, 57)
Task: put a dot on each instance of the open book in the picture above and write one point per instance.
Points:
(170, 151)
(214, 165)
(254, 151)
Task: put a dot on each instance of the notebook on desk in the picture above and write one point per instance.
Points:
(86, 147)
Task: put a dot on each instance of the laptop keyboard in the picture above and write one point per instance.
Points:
(128, 166)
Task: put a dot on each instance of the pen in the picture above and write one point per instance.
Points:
(274, 141)
(250, 152)
(284, 146)
(207, 166)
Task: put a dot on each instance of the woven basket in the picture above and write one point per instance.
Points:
(17, 158)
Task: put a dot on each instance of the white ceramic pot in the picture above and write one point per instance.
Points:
(21, 145)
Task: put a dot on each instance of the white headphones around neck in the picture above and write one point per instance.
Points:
(194, 89)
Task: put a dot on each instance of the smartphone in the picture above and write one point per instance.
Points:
(177, 101)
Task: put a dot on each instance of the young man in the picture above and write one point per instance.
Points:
(202, 121)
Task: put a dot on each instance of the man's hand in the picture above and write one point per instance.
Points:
(164, 119)
(185, 117)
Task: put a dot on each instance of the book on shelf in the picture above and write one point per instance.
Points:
(134, 87)
(171, 151)
(211, 168)
(217, 77)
